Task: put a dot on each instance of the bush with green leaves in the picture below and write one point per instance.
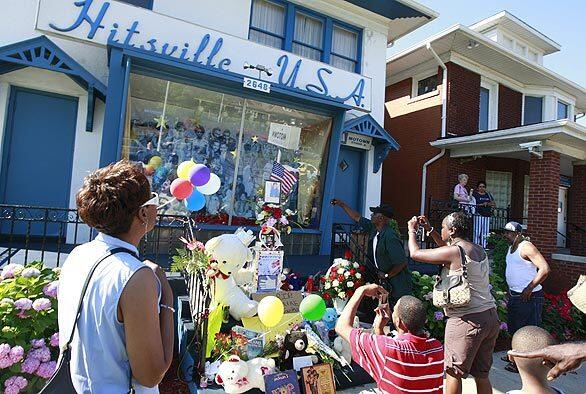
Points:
(29, 341)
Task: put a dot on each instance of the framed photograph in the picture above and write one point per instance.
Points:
(272, 192)
(318, 379)
(282, 382)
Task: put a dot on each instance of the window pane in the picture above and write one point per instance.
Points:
(205, 126)
(484, 102)
(345, 42)
(427, 85)
(268, 16)
(533, 110)
(342, 63)
(308, 30)
(499, 185)
(307, 52)
(266, 39)
(562, 110)
(520, 49)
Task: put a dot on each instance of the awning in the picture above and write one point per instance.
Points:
(43, 53)
(381, 139)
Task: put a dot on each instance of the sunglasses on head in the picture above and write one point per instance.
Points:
(153, 201)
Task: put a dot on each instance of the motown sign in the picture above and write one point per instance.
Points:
(109, 22)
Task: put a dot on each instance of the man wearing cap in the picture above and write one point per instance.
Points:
(385, 247)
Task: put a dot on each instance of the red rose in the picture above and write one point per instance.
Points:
(326, 296)
(352, 271)
(350, 293)
(322, 279)
(340, 278)
(277, 213)
(333, 275)
(362, 268)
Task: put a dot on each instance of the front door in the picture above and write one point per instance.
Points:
(562, 217)
(349, 182)
(37, 152)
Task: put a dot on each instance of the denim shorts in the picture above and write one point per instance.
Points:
(524, 313)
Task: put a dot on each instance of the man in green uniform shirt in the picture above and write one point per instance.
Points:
(385, 247)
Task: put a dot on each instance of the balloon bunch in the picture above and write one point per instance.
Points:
(271, 309)
(193, 183)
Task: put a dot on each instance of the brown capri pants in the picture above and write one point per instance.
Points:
(469, 343)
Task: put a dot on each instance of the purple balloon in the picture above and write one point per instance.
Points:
(199, 175)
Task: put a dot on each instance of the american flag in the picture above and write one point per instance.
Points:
(284, 174)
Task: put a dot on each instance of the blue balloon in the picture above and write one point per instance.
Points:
(195, 202)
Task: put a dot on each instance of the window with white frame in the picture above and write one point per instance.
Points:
(520, 49)
(284, 25)
(488, 102)
(563, 110)
(533, 110)
(425, 85)
(533, 56)
(508, 42)
(484, 109)
(499, 185)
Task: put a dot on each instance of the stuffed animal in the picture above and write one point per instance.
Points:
(295, 345)
(231, 252)
(238, 376)
(342, 347)
(330, 318)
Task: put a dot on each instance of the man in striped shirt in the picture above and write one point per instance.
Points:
(408, 363)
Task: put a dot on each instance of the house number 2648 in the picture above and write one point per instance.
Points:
(255, 84)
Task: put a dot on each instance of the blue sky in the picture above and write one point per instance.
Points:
(564, 21)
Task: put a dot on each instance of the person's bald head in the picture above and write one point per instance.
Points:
(409, 314)
(528, 339)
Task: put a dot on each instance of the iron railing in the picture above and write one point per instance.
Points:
(349, 237)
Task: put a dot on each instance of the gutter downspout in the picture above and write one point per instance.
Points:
(443, 131)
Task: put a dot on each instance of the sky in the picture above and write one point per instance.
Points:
(564, 21)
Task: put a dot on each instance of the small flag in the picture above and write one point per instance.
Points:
(286, 175)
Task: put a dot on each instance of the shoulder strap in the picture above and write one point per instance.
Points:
(86, 284)
(463, 257)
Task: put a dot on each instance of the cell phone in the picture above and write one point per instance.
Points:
(383, 299)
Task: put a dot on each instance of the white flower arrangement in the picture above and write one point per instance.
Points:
(356, 265)
(342, 279)
(350, 284)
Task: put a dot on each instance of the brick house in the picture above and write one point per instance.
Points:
(478, 100)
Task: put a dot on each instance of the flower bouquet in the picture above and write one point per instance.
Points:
(29, 343)
(191, 258)
(341, 280)
(273, 221)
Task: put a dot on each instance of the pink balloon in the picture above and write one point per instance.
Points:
(181, 188)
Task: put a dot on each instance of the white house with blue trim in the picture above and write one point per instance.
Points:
(86, 83)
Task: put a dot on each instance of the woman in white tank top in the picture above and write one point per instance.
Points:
(124, 335)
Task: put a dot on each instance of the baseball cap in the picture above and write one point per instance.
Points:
(383, 209)
(514, 227)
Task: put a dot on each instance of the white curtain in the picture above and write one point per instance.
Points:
(309, 31)
(270, 17)
(345, 43)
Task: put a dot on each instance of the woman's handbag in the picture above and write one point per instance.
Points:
(60, 382)
(454, 290)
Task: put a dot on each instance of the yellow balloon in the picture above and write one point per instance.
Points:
(183, 169)
(270, 311)
(156, 161)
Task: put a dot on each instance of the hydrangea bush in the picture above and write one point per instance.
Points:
(29, 342)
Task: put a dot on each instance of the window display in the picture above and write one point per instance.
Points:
(231, 135)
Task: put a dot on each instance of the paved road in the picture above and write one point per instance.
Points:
(503, 381)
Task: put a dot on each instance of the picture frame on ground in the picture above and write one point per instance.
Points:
(272, 192)
(318, 379)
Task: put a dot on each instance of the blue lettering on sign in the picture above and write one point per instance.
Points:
(286, 77)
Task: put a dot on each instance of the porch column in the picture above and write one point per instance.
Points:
(544, 180)
(577, 211)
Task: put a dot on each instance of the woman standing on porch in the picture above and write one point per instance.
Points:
(484, 207)
(124, 333)
(472, 329)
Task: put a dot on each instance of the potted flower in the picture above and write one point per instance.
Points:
(273, 221)
(341, 281)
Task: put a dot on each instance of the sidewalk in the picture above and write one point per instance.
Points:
(503, 381)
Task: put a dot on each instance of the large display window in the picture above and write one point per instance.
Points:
(232, 135)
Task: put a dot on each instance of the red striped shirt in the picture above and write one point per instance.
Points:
(406, 364)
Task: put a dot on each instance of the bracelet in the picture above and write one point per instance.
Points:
(167, 307)
(429, 232)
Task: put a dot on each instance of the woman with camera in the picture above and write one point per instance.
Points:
(473, 325)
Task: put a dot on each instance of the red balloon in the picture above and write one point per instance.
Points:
(181, 188)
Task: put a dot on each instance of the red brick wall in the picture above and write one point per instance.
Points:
(463, 100)
(543, 202)
(509, 108)
(564, 275)
(577, 211)
(402, 170)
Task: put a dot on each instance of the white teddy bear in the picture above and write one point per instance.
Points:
(342, 347)
(237, 376)
(231, 252)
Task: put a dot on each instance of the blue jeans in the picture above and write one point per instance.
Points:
(524, 313)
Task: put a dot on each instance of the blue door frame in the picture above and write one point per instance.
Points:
(123, 60)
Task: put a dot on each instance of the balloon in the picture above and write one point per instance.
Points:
(156, 161)
(199, 175)
(183, 169)
(149, 169)
(181, 188)
(270, 311)
(312, 307)
(211, 187)
(195, 202)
